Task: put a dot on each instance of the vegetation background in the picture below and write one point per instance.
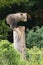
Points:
(34, 32)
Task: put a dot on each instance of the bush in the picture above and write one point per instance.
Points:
(35, 56)
(4, 29)
(35, 38)
(4, 3)
(8, 55)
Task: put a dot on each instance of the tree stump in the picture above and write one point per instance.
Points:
(19, 39)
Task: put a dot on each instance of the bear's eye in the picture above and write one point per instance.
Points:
(21, 14)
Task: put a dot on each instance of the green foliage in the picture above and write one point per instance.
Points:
(35, 56)
(35, 38)
(10, 56)
(27, 2)
(4, 29)
(10, 2)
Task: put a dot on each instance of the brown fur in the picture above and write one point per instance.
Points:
(13, 19)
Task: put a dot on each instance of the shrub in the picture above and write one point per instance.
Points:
(35, 56)
(4, 29)
(8, 55)
(35, 38)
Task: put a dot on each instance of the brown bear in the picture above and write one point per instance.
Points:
(13, 19)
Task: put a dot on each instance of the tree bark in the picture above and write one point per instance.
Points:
(19, 40)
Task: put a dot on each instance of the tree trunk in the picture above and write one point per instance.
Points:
(19, 40)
